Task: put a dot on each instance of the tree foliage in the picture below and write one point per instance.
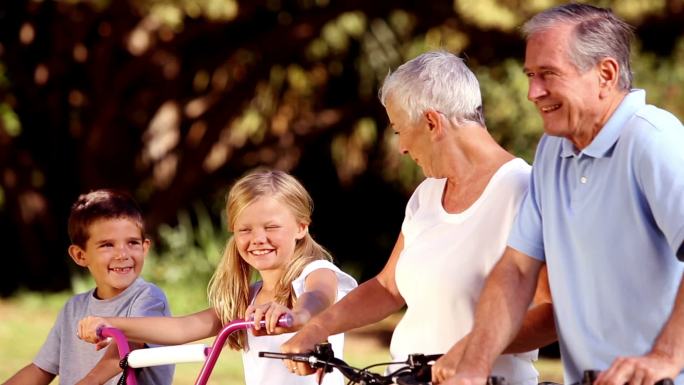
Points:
(174, 99)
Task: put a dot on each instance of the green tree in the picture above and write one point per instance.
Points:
(173, 99)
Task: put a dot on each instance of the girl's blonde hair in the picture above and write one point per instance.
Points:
(229, 286)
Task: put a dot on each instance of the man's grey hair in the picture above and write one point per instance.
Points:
(436, 80)
(597, 34)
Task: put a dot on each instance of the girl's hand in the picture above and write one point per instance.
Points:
(271, 312)
(88, 329)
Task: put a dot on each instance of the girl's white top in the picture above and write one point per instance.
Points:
(445, 261)
(268, 371)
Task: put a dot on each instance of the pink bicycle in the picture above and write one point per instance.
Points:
(166, 355)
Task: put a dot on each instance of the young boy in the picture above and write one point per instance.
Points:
(107, 235)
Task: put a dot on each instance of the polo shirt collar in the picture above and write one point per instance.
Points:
(609, 134)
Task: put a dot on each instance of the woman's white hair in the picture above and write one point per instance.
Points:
(436, 80)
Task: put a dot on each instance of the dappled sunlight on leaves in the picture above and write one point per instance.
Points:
(41, 75)
(27, 33)
(162, 134)
(196, 133)
(662, 78)
(349, 153)
(160, 139)
(398, 167)
(201, 81)
(403, 23)
(634, 10)
(174, 99)
(198, 106)
(172, 12)
(297, 79)
(164, 171)
(9, 122)
(487, 14)
(510, 118)
(220, 152)
(140, 39)
(446, 38)
(31, 205)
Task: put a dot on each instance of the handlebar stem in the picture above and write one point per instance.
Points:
(122, 346)
(219, 342)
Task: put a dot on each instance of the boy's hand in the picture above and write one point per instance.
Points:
(88, 330)
(271, 313)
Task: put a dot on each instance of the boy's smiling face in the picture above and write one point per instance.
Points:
(114, 254)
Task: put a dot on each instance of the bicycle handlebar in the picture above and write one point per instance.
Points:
(182, 353)
(414, 371)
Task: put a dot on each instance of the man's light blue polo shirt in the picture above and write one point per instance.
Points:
(609, 221)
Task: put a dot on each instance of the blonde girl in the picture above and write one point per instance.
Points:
(269, 213)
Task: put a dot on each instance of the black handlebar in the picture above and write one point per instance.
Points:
(416, 370)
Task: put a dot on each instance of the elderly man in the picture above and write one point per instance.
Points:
(605, 210)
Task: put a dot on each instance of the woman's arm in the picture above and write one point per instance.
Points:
(156, 330)
(378, 297)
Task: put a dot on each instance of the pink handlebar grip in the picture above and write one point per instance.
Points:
(122, 345)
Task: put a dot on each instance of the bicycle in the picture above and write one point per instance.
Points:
(166, 355)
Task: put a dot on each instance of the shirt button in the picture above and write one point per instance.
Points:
(584, 179)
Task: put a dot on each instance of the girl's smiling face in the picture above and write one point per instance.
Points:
(266, 232)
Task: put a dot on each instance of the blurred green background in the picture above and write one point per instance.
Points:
(173, 100)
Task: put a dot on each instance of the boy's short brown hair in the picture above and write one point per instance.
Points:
(101, 204)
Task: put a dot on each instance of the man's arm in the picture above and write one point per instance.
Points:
(508, 291)
(665, 360)
(30, 375)
(538, 329)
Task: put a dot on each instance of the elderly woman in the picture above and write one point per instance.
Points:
(454, 231)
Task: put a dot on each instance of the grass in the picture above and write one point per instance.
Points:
(21, 339)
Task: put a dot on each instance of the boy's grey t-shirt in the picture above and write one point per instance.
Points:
(65, 355)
